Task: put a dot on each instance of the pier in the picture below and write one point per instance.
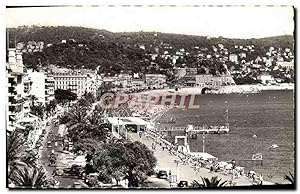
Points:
(197, 129)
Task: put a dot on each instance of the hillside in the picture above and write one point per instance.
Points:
(127, 52)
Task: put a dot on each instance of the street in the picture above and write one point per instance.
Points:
(64, 181)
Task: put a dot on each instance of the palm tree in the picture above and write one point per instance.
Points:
(77, 115)
(95, 118)
(17, 154)
(290, 178)
(33, 99)
(213, 182)
(31, 177)
(15, 143)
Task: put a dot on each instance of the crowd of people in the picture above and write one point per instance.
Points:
(214, 166)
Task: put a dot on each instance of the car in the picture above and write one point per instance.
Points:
(75, 170)
(49, 144)
(77, 185)
(162, 174)
(183, 184)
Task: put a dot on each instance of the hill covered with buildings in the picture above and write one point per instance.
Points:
(154, 52)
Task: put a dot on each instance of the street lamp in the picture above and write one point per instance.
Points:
(125, 132)
(177, 169)
(203, 142)
(118, 128)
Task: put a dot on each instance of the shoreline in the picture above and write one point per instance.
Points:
(233, 89)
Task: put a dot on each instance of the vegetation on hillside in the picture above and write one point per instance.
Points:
(128, 52)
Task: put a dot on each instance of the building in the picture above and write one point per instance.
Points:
(49, 88)
(233, 58)
(121, 82)
(78, 81)
(265, 78)
(181, 72)
(188, 81)
(286, 64)
(208, 80)
(15, 89)
(137, 84)
(42, 85)
(155, 81)
(242, 55)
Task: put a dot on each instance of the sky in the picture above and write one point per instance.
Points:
(229, 22)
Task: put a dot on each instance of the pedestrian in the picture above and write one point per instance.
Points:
(54, 173)
(211, 168)
(261, 179)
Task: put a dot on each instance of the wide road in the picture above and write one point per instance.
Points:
(67, 181)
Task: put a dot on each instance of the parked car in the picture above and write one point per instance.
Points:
(77, 185)
(75, 170)
(162, 174)
(183, 184)
(49, 144)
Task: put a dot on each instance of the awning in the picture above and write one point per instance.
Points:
(20, 126)
(29, 119)
(11, 117)
(127, 121)
(32, 115)
(202, 155)
(10, 128)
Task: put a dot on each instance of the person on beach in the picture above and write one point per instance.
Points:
(54, 173)
(261, 179)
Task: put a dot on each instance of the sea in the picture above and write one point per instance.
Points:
(260, 123)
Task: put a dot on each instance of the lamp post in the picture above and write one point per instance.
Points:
(118, 127)
(203, 142)
(177, 169)
(125, 132)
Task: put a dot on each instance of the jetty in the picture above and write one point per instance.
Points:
(197, 129)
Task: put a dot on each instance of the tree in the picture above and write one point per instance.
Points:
(38, 110)
(15, 143)
(17, 153)
(140, 163)
(64, 95)
(290, 178)
(31, 177)
(34, 100)
(51, 106)
(130, 160)
(213, 182)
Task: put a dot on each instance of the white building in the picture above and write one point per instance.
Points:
(42, 86)
(15, 89)
(233, 58)
(285, 64)
(265, 78)
(78, 81)
(208, 80)
(155, 81)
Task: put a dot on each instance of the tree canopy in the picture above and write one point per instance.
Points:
(64, 95)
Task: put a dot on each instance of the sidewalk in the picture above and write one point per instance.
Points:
(165, 161)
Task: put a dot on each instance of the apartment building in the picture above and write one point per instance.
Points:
(42, 85)
(78, 81)
(155, 81)
(15, 89)
(208, 80)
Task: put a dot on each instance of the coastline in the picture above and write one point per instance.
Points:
(238, 89)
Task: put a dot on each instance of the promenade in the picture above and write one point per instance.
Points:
(165, 161)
